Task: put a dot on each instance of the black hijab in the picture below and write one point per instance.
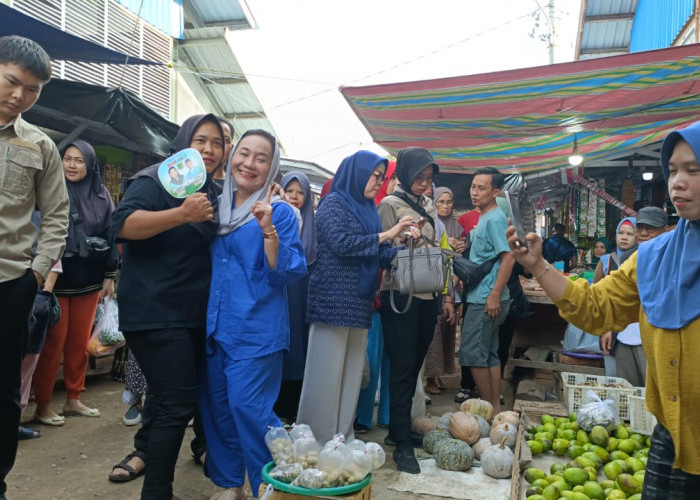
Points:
(182, 140)
(410, 162)
(90, 198)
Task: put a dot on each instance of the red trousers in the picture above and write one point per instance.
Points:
(69, 337)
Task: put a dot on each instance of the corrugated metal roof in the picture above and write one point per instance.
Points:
(316, 173)
(206, 52)
(606, 27)
(658, 23)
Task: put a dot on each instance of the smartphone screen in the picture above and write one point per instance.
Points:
(516, 217)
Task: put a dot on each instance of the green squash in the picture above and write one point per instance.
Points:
(432, 438)
(454, 454)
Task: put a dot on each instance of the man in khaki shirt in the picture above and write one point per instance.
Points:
(31, 175)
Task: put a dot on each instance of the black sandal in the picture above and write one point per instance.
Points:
(198, 453)
(133, 474)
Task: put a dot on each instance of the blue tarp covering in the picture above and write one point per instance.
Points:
(59, 44)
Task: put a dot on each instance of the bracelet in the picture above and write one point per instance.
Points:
(271, 234)
(547, 267)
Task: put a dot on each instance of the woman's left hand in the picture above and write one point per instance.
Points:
(448, 312)
(107, 288)
(262, 210)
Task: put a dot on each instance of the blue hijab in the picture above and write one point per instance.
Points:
(308, 228)
(668, 267)
(349, 187)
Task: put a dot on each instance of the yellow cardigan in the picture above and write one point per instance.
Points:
(673, 356)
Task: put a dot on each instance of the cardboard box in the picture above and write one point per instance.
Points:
(363, 494)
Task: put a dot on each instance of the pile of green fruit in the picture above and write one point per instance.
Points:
(620, 454)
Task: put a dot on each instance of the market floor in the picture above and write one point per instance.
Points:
(72, 462)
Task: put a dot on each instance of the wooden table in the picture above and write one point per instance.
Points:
(544, 328)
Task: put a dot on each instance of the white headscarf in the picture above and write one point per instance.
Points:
(230, 217)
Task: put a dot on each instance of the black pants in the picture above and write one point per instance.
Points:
(16, 301)
(407, 338)
(661, 480)
(170, 361)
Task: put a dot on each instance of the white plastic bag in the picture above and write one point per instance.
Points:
(594, 412)
(106, 337)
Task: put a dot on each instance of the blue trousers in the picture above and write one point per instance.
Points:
(236, 400)
(378, 367)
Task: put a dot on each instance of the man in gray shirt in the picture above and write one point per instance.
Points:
(31, 174)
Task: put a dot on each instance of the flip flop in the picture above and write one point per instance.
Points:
(56, 420)
(28, 433)
(433, 390)
(132, 474)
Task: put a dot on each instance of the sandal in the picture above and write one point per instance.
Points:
(237, 493)
(433, 390)
(133, 474)
(28, 433)
(462, 396)
(199, 455)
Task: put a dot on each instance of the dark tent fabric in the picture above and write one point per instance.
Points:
(113, 117)
(59, 44)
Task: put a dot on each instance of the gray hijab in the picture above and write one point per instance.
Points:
(230, 217)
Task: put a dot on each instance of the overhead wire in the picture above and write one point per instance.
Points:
(131, 44)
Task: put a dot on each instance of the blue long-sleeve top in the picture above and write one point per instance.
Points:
(334, 287)
(247, 310)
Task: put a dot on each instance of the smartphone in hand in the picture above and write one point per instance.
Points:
(516, 218)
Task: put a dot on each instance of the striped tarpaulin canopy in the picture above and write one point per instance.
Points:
(525, 120)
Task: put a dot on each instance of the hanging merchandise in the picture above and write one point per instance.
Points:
(600, 219)
(592, 213)
(583, 217)
(577, 179)
(573, 217)
(628, 192)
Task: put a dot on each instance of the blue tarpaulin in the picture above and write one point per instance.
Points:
(60, 44)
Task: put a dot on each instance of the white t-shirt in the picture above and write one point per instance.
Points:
(630, 335)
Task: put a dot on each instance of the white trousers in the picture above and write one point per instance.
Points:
(332, 380)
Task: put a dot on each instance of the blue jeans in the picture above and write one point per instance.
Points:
(378, 367)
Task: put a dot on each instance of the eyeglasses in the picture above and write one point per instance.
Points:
(447, 203)
(380, 176)
(643, 228)
(420, 179)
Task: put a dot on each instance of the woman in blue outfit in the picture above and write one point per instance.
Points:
(256, 255)
(297, 192)
(351, 249)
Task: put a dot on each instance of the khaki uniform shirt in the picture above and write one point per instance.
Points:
(31, 174)
(673, 384)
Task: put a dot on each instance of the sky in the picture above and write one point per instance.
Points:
(304, 50)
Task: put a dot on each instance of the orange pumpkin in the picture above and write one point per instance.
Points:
(465, 427)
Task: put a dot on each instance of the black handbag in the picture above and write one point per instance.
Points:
(472, 274)
(94, 248)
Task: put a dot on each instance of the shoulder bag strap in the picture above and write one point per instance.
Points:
(415, 206)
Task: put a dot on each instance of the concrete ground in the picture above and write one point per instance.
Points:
(72, 462)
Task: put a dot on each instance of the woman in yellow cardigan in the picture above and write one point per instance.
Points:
(658, 286)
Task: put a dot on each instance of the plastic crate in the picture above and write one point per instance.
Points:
(576, 384)
(641, 420)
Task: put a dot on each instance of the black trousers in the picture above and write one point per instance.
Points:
(407, 338)
(16, 301)
(170, 360)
